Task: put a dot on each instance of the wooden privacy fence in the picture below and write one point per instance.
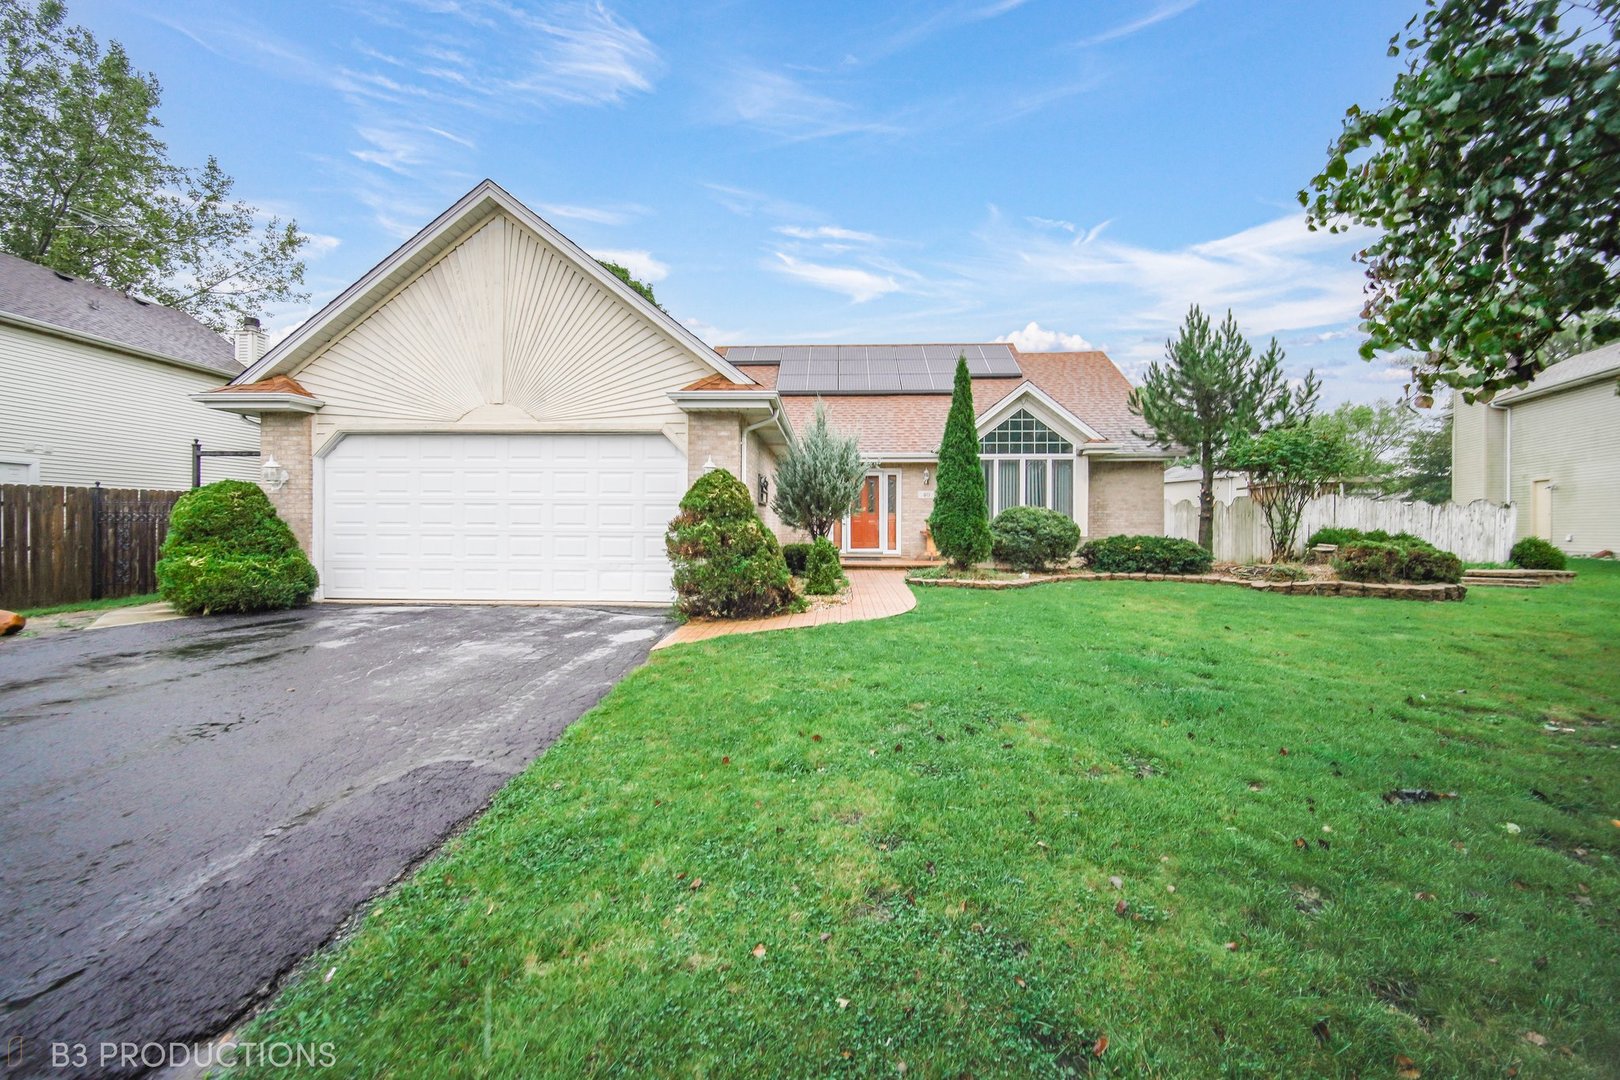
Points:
(61, 545)
(1478, 532)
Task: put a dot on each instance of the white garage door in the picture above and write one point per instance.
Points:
(499, 517)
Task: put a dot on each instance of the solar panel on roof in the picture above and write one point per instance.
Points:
(878, 369)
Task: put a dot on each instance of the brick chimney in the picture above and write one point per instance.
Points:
(250, 341)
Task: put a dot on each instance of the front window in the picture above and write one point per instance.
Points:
(1026, 463)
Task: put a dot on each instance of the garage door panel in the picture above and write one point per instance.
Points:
(514, 517)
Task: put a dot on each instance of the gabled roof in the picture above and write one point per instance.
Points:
(1599, 363)
(444, 232)
(34, 295)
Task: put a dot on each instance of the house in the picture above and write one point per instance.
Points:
(98, 386)
(1551, 449)
(488, 414)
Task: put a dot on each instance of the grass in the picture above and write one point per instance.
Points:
(985, 836)
(91, 605)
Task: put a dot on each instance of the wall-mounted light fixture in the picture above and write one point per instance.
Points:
(272, 476)
(925, 478)
(764, 490)
(708, 464)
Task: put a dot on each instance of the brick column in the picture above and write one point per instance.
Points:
(286, 436)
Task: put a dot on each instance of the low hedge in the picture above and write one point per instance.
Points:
(823, 574)
(1534, 553)
(1340, 536)
(1419, 562)
(795, 555)
(1146, 555)
(1033, 538)
(228, 551)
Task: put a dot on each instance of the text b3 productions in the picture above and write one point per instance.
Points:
(227, 1055)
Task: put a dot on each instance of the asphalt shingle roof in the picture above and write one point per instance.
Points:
(39, 293)
(1599, 361)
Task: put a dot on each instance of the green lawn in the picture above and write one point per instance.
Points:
(908, 834)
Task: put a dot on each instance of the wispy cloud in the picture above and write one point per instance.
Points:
(780, 105)
(596, 215)
(948, 17)
(851, 281)
(826, 232)
(1036, 338)
(1158, 13)
(747, 203)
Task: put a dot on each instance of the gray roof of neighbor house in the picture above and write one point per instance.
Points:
(1604, 360)
(39, 293)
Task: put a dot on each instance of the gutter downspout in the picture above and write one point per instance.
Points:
(742, 451)
(1507, 452)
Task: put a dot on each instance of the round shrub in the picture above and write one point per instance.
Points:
(795, 555)
(1534, 553)
(1033, 538)
(228, 551)
(727, 563)
(1146, 555)
(1409, 560)
(1368, 560)
(823, 574)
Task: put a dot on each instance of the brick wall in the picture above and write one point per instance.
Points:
(286, 436)
(712, 436)
(1127, 497)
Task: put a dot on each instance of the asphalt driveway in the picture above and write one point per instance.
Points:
(189, 808)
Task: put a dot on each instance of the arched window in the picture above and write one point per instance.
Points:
(1026, 463)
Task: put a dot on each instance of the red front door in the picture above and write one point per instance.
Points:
(863, 520)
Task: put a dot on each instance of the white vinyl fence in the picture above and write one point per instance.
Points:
(1478, 532)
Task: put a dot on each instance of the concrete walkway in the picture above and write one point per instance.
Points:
(873, 594)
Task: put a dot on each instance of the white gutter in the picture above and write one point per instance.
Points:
(742, 452)
(1507, 464)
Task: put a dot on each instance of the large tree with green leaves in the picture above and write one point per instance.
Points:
(87, 187)
(1288, 466)
(960, 523)
(1210, 389)
(1490, 175)
(819, 479)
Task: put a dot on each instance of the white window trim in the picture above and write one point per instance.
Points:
(27, 461)
(1075, 487)
(883, 547)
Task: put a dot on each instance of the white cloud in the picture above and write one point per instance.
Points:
(1167, 9)
(780, 105)
(583, 54)
(640, 263)
(857, 284)
(713, 335)
(1036, 338)
(598, 215)
(319, 244)
(826, 232)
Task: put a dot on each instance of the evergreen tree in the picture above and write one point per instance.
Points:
(819, 479)
(960, 522)
(1211, 389)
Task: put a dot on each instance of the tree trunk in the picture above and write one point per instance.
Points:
(1206, 502)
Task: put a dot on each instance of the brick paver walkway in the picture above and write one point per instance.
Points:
(873, 594)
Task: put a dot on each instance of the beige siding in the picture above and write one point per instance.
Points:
(1573, 439)
(1478, 452)
(88, 414)
(501, 333)
(1126, 497)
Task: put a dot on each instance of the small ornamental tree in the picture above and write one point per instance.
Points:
(727, 563)
(1288, 467)
(960, 522)
(228, 551)
(816, 484)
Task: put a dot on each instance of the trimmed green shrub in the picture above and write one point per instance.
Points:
(795, 555)
(1033, 538)
(1534, 553)
(960, 523)
(1412, 561)
(823, 574)
(1146, 555)
(228, 551)
(727, 563)
(1336, 535)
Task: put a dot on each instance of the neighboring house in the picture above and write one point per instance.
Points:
(488, 414)
(1182, 483)
(1552, 449)
(98, 386)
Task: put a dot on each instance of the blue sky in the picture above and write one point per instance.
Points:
(1056, 173)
